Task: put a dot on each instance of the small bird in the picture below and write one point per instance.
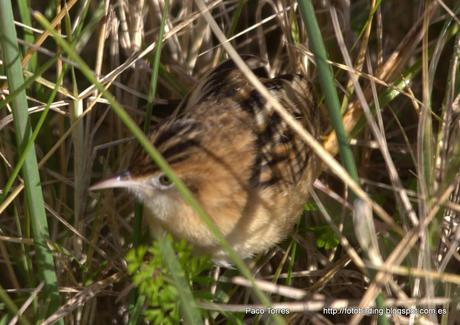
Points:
(249, 171)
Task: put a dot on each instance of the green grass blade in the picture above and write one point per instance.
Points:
(29, 146)
(148, 116)
(9, 304)
(136, 311)
(148, 113)
(332, 101)
(32, 187)
(155, 69)
(24, 11)
(328, 86)
(189, 307)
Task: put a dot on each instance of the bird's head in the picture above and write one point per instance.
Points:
(214, 171)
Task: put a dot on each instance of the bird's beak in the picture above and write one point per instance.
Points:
(123, 180)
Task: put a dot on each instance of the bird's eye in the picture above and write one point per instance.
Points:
(163, 181)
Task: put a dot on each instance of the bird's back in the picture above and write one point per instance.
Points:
(227, 102)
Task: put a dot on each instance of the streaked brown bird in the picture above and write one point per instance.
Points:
(245, 166)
